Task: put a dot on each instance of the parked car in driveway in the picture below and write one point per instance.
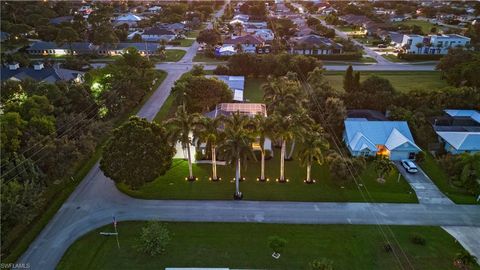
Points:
(409, 166)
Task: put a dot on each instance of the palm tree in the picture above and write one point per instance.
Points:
(314, 144)
(209, 130)
(470, 175)
(284, 131)
(239, 47)
(464, 260)
(180, 128)
(382, 167)
(263, 128)
(301, 122)
(237, 148)
(278, 92)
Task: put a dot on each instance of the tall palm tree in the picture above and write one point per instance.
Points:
(284, 131)
(263, 128)
(209, 130)
(237, 121)
(179, 129)
(314, 144)
(470, 175)
(301, 122)
(237, 148)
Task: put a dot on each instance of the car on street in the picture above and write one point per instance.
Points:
(409, 166)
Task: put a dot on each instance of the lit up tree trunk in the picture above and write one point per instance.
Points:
(282, 160)
(214, 163)
(237, 177)
(262, 170)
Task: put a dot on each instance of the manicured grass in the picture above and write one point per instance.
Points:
(173, 55)
(253, 90)
(403, 81)
(245, 246)
(185, 42)
(440, 178)
(193, 33)
(172, 185)
(395, 59)
(166, 111)
(426, 26)
(22, 236)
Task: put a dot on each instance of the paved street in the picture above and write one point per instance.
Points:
(96, 200)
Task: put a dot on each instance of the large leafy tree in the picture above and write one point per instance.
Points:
(263, 128)
(181, 129)
(470, 172)
(237, 149)
(375, 93)
(67, 35)
(138, 152)
(383, 166)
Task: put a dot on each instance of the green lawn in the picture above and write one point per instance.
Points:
(172, 185)
(253, 90)
(185, 42)
(21, 237)
(245, 246)
(395, 59)
(173, 55)
(402, 80)
(426, 26)
(440, 178)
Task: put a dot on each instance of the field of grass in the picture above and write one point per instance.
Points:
(403, 81)
(185, 42)
(22, 236)
(245, 246)
(440, 178)
(426, 26)
(253, 90)
(172, 185)
(173, 55)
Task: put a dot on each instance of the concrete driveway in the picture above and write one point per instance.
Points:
(427, 192)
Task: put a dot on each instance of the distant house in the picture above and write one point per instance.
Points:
(40, 73)
(129, 19)
(314, 45)
(391, 139)
(263, 33)
(434, 44)
(225, 50)
(458, 131)
(85, 48)
(235, 83)
(398, 18)
(60, 20)
(155, 9)
(158, 33)
(177, 28)
(327, 10)
(249, 43)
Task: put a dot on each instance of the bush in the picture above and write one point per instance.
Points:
(221, 70)
(418, 239)
(322, 264)
(419, 57)
(276, 243)
(343, 56)
(420, 157)
(154, 238)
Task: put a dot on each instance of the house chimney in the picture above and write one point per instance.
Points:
(38, 66)
(13, 66)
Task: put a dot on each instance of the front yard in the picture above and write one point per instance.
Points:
(245, 245)
(173, 55)
(172, 185)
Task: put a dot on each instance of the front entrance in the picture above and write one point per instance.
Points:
(411, 155)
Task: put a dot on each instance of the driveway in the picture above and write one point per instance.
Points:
(427, 192)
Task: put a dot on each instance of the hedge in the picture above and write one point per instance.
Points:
(343, 56)
(416, 57)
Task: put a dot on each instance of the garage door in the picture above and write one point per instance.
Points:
(398, 155)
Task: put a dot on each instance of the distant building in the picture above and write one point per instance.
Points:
(129, 19)
(314, 45)
(40, 73)
(435, 44)
(458, 131)
(235, 83)
(391, 139)
(85, 48)
(158, 33)
(249, 43)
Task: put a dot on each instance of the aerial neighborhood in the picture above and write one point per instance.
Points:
(240, 134)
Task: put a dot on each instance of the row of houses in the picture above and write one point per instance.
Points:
(38, 72)
(44, 48)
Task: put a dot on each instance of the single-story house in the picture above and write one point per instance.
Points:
(155, 9)
(265, 33)
(40, 73)
(130, 19)
(235, 83)
(391, 139)
(248, 42)
(79, 48)
(158, 33)
(225, 50)
(177, 28)
(458, 131)
(314, 45)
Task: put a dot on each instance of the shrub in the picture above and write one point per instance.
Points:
(154, 238)
(276, 243)
(221, 70)
(321, 264)
(420, 157)
(388, 248)
(418, 239)
(343, 56)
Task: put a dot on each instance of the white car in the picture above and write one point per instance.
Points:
(409, 166)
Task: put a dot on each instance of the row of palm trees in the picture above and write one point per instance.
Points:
(232, 138)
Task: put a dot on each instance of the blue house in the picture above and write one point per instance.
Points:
(458, 131)
(391, 139)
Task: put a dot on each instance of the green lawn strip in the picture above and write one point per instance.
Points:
(253, 90)
(193, 34)
(440, 178)
(245, 246)
(172, 185)
(402, 80)
(166, 111)
(21, 237)
(173, 55)
(185, 42)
